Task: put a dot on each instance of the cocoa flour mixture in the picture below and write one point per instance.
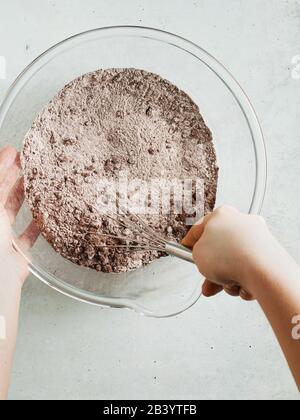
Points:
(98, 125)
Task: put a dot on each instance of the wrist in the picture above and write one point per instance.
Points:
(276, 271)
(10, 286)
(11, 278)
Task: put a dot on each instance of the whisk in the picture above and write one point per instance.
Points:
(145, 239)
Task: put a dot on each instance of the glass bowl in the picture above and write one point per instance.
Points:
(167, 286)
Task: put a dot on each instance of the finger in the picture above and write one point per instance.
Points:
(232, 290)
(29, 237)
(7, 158)
(15, 200)
(195, 233)
(9, 179)
(246, 295)
(210, 289)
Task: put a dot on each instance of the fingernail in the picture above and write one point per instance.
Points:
(200, 221)
(232, 289)
(244, 294)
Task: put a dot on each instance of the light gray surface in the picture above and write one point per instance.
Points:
(221, 348)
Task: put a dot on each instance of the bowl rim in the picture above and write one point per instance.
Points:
(259, 145)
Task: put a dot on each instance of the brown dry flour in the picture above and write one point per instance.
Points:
(98, 125)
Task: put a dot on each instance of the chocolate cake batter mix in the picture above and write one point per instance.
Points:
(99, 125)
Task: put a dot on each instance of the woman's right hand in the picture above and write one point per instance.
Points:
(230, 248)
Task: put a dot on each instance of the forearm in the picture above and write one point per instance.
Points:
(277, 290)
(10, 293)
(14, 268)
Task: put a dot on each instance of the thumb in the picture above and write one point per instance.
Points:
(195, 233)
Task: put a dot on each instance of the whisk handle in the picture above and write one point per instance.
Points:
(179, 251)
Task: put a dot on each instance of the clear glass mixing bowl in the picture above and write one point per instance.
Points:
(167, 286)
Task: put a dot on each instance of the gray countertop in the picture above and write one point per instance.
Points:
(221, 348)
